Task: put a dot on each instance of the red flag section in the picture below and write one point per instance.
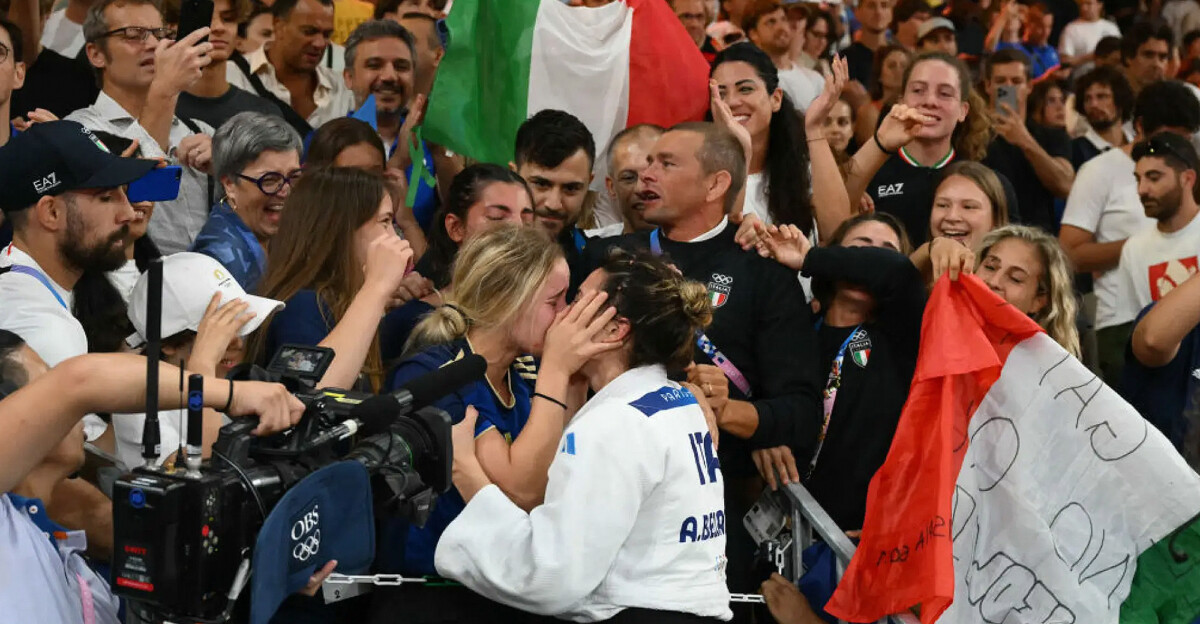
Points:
(905, 557)
(668, 76)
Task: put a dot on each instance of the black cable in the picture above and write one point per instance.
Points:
(262, 507)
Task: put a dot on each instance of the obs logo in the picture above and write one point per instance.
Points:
(306, 536)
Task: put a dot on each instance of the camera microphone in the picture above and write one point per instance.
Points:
(377, 413)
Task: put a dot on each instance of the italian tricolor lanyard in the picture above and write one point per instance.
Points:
(707, 345)
(829, 395)
(906, 157)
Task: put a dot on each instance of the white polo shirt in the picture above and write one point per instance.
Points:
(332, 97)
(175, 223)
(40, 313)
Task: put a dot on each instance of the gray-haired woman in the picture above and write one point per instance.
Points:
(256, 158)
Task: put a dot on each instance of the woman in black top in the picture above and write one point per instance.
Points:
(872, 300)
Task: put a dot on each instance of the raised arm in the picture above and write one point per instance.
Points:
(831, 203)
(37, 417)
(898, 128)
(520, 469)
(387, 259)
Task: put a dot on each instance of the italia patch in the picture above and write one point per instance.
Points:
(860, 348)
(719, 288)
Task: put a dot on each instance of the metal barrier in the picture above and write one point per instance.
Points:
(808, 516)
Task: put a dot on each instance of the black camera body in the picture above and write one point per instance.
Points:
(181, 537)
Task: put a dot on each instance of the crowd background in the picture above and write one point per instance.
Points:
(853, 154)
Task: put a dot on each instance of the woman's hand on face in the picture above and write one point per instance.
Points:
(219, 326)
(388, 258)
(786, 244)
(835, 81)
(724, 117)
(570, 340)
(900, 126)
(949, 255)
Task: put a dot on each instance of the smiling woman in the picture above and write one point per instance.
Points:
(256, 158)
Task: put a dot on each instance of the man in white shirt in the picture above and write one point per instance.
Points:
(1103, 210)
(291, 69)
(1157, 259)
(63, 194)
(142, 74)
(1078, 40)
(767, 26)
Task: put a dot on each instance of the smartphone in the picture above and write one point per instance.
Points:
(160, 184)
(1006, 95)
(194, 15)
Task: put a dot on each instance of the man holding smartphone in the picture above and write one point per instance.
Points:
(1038, 156)
(142, 73)
(212, 99)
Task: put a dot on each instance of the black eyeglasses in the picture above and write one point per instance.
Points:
(140, 33)
(272, 182)
(4, 52)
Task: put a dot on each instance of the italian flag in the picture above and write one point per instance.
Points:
(1020, 488)
(619, 65)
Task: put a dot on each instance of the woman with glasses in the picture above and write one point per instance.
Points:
(256, 158)
(337, 263)
(817, 38)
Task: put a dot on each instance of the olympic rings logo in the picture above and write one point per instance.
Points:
(307, 548)
(722, 279)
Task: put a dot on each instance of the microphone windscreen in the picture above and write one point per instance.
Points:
(376, 413)
(429, 388)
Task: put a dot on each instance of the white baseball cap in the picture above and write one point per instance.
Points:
(189, 282)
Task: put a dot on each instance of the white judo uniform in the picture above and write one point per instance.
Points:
(634, 515)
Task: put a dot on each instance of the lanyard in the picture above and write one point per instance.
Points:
(36, 274)
(731, 371)
(829, 395)
(86, 600)
(580, 241)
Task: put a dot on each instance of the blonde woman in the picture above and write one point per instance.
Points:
(509, 299)
(1026, 267)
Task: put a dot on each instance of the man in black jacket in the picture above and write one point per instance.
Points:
(757, 359)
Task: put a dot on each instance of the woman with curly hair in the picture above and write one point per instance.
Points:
(1027, 267)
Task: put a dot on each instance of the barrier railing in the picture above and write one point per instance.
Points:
(808, 516)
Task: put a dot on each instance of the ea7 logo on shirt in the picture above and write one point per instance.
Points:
(306, 535)
(890, 190)
(46, 183)
(718, 289)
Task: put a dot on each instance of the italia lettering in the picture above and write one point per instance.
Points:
(707, 464)
(889, 190)
(708, 526)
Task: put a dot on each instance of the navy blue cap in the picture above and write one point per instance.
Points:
(327, 515)
(56, 157)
